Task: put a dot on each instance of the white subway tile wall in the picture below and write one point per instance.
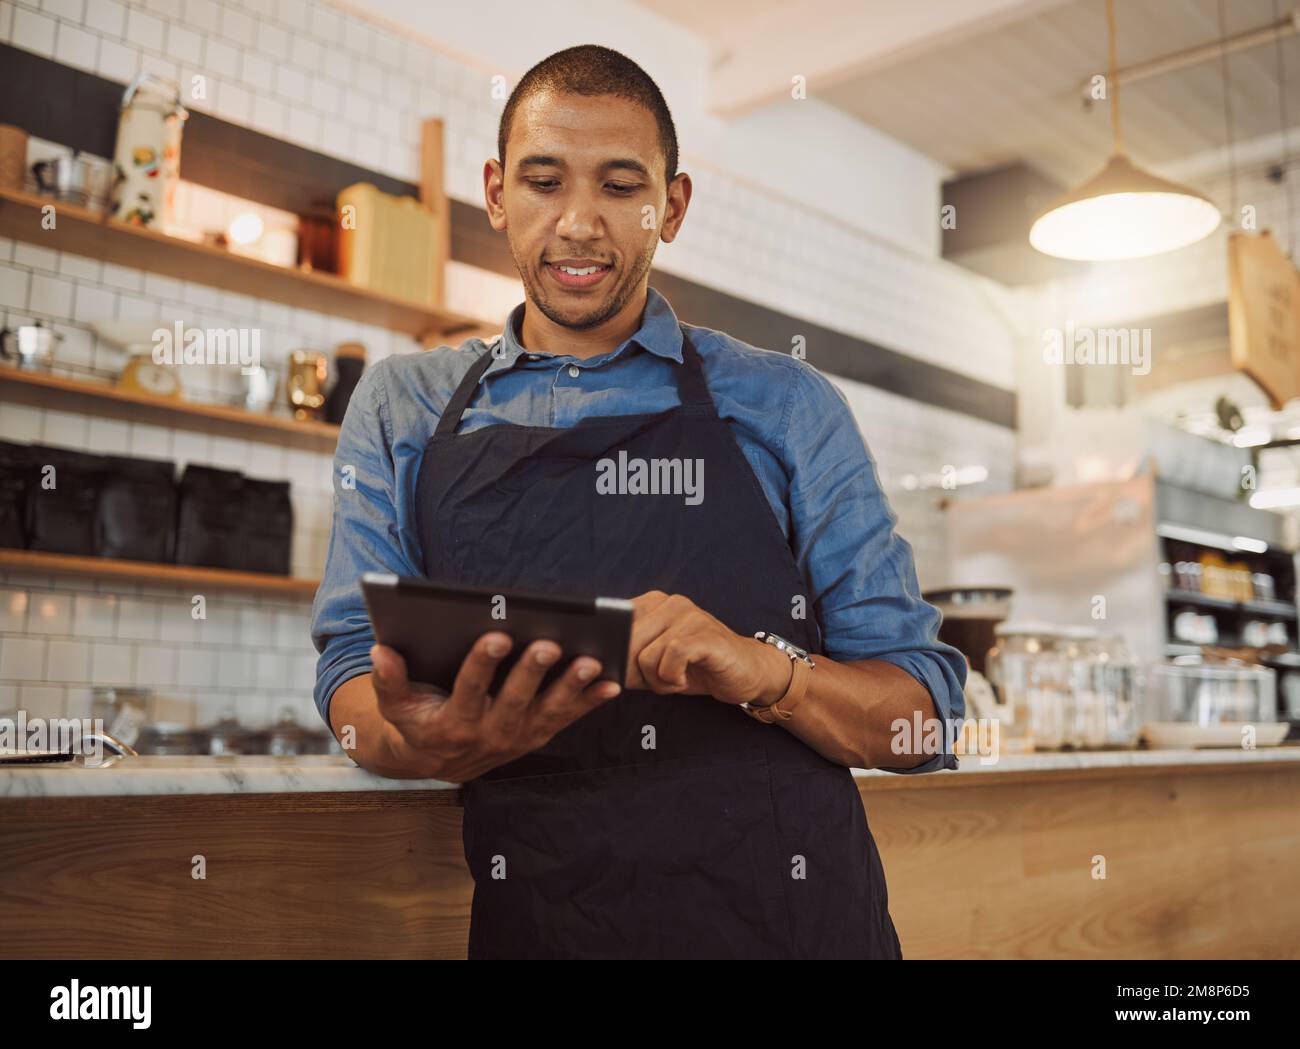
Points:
(329, 81)
(61, 638)
(904, 439)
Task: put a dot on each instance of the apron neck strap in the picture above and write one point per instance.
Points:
(451, 414)
(692, 390)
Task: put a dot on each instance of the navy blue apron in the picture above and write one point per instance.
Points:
(655, 826)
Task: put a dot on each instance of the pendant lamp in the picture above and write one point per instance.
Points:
(1122, 212)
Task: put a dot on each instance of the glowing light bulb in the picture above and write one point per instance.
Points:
(245, 229)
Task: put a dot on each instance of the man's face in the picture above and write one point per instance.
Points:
(583, 202)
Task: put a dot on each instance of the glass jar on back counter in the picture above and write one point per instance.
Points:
(1100, 705)
(1211, 694)
(1051, 705)
(1083, 654)
(1103, 693)
(1064, 687)
(1025, 687)
(1120, 685)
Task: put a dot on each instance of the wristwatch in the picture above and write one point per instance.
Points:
(802, 665)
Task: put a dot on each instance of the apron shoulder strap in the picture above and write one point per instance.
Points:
(451, 414)
(692, 390)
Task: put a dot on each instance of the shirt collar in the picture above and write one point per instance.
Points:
(659, 334)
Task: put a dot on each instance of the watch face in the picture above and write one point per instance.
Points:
(785, 646)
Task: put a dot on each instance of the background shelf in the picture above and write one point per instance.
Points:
(42, 390)
(1269, 609)
(86, 233)
(156, 574)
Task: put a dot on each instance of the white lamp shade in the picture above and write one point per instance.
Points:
(1123, 212)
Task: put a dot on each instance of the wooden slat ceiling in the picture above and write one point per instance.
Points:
(1011, 92)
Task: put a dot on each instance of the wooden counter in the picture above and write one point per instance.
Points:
(1201, 851)
(1202, 859)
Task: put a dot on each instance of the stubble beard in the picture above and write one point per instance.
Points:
(612, 304)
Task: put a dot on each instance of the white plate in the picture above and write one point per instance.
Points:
(1179, 735)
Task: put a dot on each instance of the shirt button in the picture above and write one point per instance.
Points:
(573, 371)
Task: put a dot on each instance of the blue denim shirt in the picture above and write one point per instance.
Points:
(794, 427)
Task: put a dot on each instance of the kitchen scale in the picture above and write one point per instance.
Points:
(141, 373)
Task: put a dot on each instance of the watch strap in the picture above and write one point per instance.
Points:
(784, 707)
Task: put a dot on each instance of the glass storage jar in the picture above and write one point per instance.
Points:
(1120, 683)
(1085, 655)
(1010, 669)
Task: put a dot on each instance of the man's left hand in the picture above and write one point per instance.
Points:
(677, 647)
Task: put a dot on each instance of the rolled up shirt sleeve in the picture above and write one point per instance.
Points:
(364, 537)
(862, 573)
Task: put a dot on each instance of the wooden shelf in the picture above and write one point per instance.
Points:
(83, 232)
(156, 574)
(1269, 609)
(43, 390)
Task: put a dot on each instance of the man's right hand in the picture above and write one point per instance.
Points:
(460, 736)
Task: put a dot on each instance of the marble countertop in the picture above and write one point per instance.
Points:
(337, 773)
(1052, 761)
(245, 774)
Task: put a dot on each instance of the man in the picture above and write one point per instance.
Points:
(706, 808)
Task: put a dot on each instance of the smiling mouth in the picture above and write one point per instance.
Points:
(578, 273)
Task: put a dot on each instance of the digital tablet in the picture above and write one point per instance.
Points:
(433, 626)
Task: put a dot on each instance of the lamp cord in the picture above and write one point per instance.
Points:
(1113, 85)
(1286, 137)
(1227, 114)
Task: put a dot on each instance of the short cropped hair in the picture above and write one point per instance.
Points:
(590, 69)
